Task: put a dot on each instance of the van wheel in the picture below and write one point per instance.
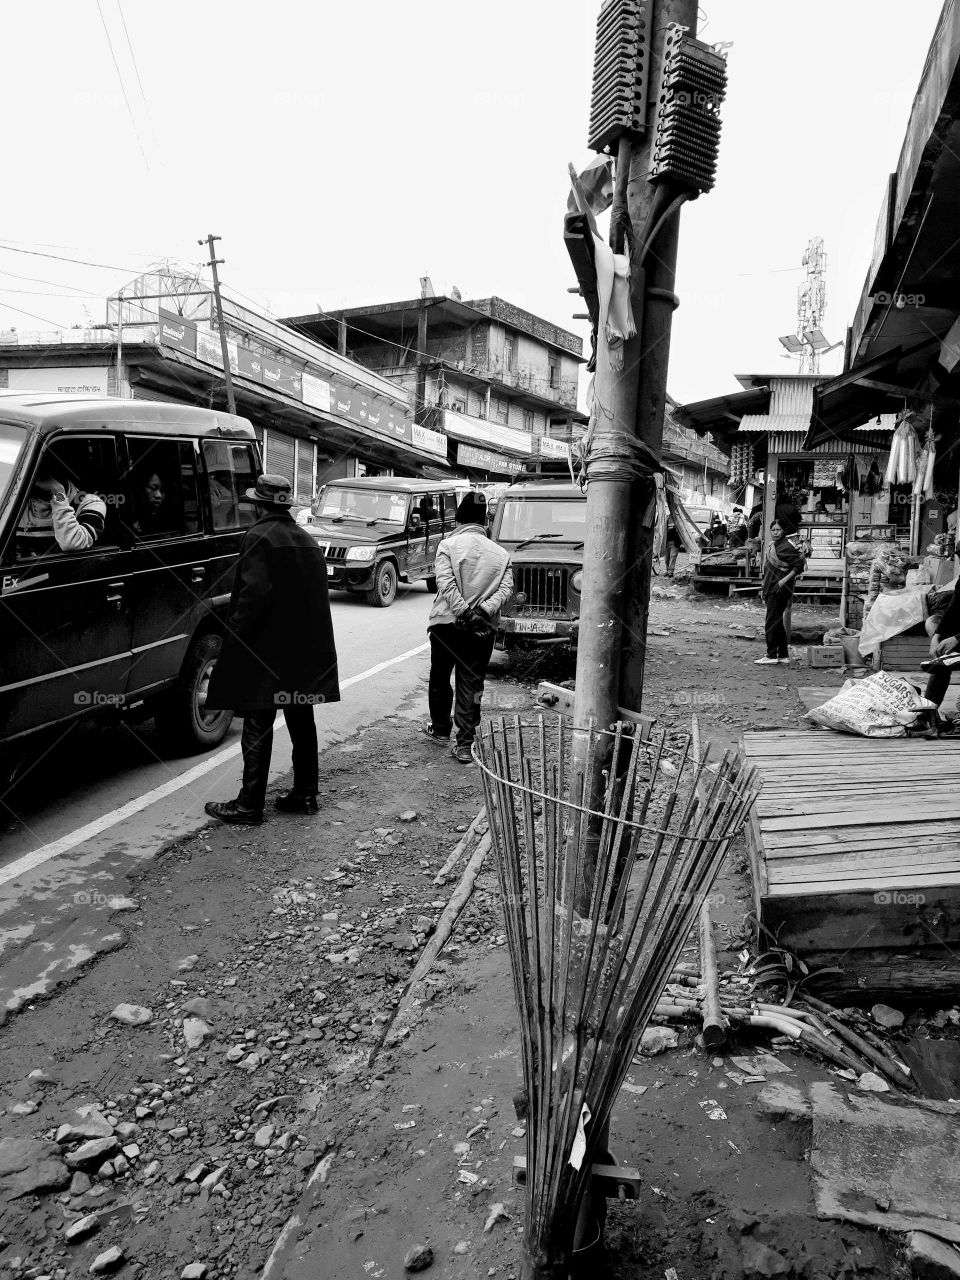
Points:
(182, 720)
(384, 590)
(431, 584)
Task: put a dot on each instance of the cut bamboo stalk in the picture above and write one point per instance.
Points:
(714, 1023)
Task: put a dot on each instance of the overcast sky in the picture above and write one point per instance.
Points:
(344, 150)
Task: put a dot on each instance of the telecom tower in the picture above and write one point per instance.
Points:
(809, 343)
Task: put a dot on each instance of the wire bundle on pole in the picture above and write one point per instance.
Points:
(598, 904)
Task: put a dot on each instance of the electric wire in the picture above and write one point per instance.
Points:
(133, 59)
(57, 284)
(80, 262)
(7, 306)
(123, 88)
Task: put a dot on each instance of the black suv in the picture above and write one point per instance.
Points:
(135, 620)
(380, 530)
(543, 525)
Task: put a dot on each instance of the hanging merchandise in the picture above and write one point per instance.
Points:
(871, 482)
(848, 477)
(904, 447)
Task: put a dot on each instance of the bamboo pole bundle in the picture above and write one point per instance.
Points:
(594, 936)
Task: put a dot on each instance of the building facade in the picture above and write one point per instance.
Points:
(700, 470)
(317, 414)
(500, 383)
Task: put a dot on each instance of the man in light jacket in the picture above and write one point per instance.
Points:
(474, 578)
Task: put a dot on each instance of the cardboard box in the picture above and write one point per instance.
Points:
(825, 655)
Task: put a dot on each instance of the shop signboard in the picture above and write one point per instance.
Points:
(250, 364)
(208, 347)
(82, 380)
(430, 441)
(487, 460)
(316, 392)
(553, 448)
(283, 377)
(176, 332)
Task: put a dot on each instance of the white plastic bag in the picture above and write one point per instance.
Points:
(881, 706)
(891, 613)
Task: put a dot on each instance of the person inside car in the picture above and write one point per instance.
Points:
(75, 519)
(154, 515)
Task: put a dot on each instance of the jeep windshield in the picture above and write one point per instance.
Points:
(530, 518)
(12, 440)
(366, 505)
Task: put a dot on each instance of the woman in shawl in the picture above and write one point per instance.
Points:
(888, 572)
(782, 564)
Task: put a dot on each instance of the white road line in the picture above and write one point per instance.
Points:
(52, 850)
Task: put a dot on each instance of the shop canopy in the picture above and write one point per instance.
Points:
(721, 416)
(904, 342)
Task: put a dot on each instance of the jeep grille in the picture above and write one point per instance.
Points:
(335, 553)
(545, 589)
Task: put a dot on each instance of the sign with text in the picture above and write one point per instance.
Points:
(177, 332)
(487, 460)
(430, 441)
(79, 380)
(316, 392)
(553, 448)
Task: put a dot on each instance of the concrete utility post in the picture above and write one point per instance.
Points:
(227, 372)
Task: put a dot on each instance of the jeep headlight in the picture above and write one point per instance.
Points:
(577, 580)
(361, 553)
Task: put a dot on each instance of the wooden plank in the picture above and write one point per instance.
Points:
(948, 808)
(817, 843)
(879, 884)
(817, 871)
(883, 844)
(854, 919)
(758, 868)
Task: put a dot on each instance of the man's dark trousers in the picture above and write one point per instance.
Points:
(457, 651)
(256, 743)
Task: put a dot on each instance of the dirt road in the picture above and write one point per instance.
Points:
(242, 1123)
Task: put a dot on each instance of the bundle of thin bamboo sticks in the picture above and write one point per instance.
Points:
(601, 888)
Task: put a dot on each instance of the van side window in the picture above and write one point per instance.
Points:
(230, 470)
(83, 466)
(449, 510)
(161, 488)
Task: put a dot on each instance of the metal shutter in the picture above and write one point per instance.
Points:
(305, 451)
(280, 455)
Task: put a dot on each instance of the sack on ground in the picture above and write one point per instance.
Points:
(881, 706)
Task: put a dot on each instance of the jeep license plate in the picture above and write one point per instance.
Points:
(539, 626)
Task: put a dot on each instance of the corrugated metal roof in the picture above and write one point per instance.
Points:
(775, 422)
(791, 396)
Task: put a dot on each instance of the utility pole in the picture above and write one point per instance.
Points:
(227, 372)
(665, 137)
(120, 343)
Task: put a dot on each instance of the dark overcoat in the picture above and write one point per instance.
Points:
(278, 647)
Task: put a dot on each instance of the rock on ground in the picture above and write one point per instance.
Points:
(28, 1165)
(930, 1258)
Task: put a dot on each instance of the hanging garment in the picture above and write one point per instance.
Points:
(613, 287)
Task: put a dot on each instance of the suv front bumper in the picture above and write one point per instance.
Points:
(357, 577)
(539, 628)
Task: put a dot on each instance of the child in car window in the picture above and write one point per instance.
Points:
(75, 519)
(154, 507)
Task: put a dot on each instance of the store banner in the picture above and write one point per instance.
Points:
(553, 448)
(250, 364)
(79, 380)
(208, 348)
(316, 392)
(176, 332)
(487, 460)
(430, 441)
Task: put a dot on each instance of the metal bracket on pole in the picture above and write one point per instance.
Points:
(560, 699)
(615, 1181)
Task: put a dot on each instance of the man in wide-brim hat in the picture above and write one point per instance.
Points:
(278, 653)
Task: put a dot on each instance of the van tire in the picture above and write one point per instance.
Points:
(180, 718)
(384, 590)
(431, 584)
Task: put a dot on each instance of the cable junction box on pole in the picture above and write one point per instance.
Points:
(693, 85)
(621, 70)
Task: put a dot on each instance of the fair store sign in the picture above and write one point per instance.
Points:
(77, 380)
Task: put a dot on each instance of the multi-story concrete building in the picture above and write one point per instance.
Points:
(316, 413)
(500, 383)
(701, 470)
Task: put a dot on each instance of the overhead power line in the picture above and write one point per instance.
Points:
(80, 262)
(123, 88)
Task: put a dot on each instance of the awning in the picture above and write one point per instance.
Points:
(775, 422)
(721, 415)
(844, 404)
(480, 432)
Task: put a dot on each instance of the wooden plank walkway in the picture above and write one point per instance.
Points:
(854, 845)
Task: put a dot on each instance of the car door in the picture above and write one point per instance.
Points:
(171, 577)
(65, 622)
(418, 534)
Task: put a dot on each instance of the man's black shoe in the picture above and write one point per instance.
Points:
(290, 802)
(229, 811)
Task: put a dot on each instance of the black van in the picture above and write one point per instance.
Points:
(379, 530)
(135, 620)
